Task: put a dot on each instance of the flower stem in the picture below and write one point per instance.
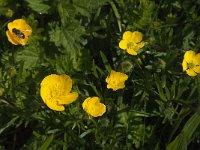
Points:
(13, 79)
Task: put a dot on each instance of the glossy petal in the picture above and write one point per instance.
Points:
(197, 69)
(140, 45)
(123, 44)
(196, 59)
(191, 72)
(55, 91)
(93, 106)
(10, 38)
(184, 65)
(54, 81)
(54, 106)
(137, 37)
(116, 80)
(132, 51)
(127, 35)
(189, 56)
(85, 104)
(68, 99)
(131, 42)
(23, 27)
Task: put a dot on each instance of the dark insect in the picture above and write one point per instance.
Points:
(18, 33)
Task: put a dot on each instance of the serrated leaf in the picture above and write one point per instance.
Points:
(90, 4)
(38, 6)
(70, 37)
(30, 56)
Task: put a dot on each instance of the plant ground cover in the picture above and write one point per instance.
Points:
(140, 89)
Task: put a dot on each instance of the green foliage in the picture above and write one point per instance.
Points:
(158, 108)
(39, 6)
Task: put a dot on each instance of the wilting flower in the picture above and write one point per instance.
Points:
(93, 106)
(56, 91)
(18, 32)
(116, 80)
(131, 42)
(191, 63)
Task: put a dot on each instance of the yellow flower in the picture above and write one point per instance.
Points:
(55, 91)
(116, 80)
(93, 106)
(191, 63)
(18, 32)
(131, 42)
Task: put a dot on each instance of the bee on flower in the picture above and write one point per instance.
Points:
(191, 63)
(93, 107)
(56, 91)
(116, 80)
(18, 32)
(131, 42)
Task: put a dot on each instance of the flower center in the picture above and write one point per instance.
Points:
(131, 45)
(191, 65)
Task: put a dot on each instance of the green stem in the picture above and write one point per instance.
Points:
(13, 79)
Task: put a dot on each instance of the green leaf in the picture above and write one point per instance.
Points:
(191, 125)
(105, 62)
(90, 5)
(47, 143)
(178, 144)
(184, 138)
(70, 37)
(10, 123)
(30, 56)
(85, 133)
(159, 88)
(38, 6)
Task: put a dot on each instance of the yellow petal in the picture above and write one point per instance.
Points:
(184, 65)
(197, 69)
(189, 56)
(67, 82)
(10, 38)
(23, 27)
(54, 106)
(132, 51)
(22, 41)
(123, 44)
(17, 24)
(136, 37)
(140, 45)
(68, 99)
(55, 91)
(85, 103)
(93, 106)
(191, 72)
(127, 35)
(63, 82)
(196, 59)
(116, 80)
(99, 110)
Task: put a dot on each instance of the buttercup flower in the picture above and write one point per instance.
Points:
(191, 63)
(55, 91)
(18, 32)
(116, 80)
(131, 42)
(93, 106)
